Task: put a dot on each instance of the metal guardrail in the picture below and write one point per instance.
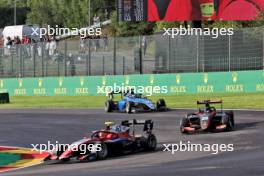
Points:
(133, 55)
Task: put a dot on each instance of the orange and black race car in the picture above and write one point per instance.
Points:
(208, 118)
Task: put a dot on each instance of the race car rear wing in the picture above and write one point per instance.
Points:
(111, 94)
(148, 124)
(209, 102)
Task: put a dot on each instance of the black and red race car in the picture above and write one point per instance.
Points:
(208, 119)
(115, 139)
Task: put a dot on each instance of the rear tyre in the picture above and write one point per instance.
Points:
(184, 123)
(128, 107)
(151, 143)
(109, 106)
(103, 153)
(161, 105)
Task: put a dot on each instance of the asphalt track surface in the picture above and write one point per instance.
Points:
(24, 127)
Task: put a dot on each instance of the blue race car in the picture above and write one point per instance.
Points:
(131, 102)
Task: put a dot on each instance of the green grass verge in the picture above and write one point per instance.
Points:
(231, 101)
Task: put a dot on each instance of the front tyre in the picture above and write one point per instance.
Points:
(60, 150)
(65, 160)
(230, 124)
(184, 123)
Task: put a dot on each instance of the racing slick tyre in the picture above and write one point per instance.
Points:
(128, 107)
(184, 123)
(61, 150)
(103, 153)
(109, 106)
(151, 142)
(230, 124)
(161, 105)
(65, 159)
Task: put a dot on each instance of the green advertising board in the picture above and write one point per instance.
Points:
(222, 82)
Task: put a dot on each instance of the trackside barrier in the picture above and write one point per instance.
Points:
(4, 98)
(186, 83)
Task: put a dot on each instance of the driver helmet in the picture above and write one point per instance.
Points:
(207, 107)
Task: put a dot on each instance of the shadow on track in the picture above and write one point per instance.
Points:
(114, 157)
(249, 125)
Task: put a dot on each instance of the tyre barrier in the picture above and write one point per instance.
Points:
(4, 98)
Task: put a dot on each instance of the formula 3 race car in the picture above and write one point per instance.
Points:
(113, 140)
(208, 119)
(131, 102)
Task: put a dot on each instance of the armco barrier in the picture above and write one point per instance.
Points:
(222, 82)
